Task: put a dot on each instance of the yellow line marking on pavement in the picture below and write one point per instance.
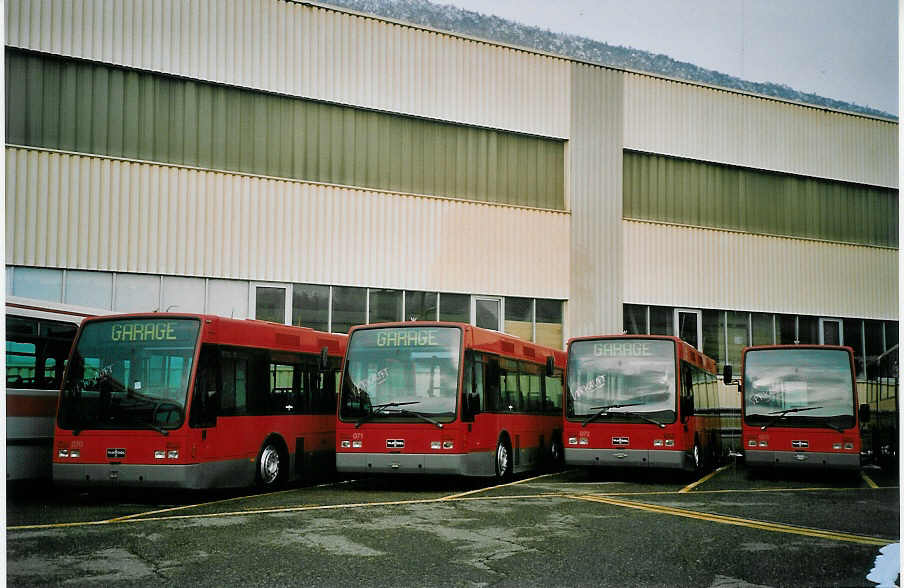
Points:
(735, 491)
(277, 510)
(488, 488)
(212, 502)
(730, 520)
(705, 478)
(869, 481)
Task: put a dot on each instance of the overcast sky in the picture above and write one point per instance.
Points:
(842, 49)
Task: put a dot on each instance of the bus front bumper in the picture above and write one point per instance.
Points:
(802, 459)
(460, 464)
(630, 458)
(188, 476)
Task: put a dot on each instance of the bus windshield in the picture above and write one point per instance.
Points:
(129, 374)
(798, 387)
(399, 371)
(627, 375)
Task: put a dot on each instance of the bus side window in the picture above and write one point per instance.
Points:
(552, 393)
(205, 400)
(493, 380)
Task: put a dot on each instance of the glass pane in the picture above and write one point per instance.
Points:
(136, 293)
(808, 330)
(518, 319)
(891, 334)
(348, 308)
(227, 298)
(714, 335)
(455, 308)
(737, 336)
(854, 340)
(311, 306)
(420, 306)
(762, 329)
(634, 320)
(270, 304)
(549, 323)
(787, 329)
(874, 347)
(181, 294)
(831, 332)
(92, 289)
(687, 327)
(385, 306)
(661, 318)
(487, 314)
(38, 283)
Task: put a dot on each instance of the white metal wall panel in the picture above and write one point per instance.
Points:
(95, 213)
(674, 118)
(595, 198)
(307, 51)
(702, 268)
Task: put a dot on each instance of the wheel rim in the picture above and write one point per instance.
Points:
(556, 451)
(269, 465)
(696, 455)
(502, 459)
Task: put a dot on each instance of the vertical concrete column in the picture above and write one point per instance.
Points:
(594, 180)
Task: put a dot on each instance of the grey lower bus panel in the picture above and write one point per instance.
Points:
(802, 460)
(467, 464)
(629, 458)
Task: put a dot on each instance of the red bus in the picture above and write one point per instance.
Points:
(39, 335)
(640, 401)
(447, 398)
(195, 401)
(799, 407)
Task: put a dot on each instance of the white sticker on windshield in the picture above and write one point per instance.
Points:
(137, 386)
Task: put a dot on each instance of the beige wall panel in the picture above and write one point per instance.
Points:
(673, 118)
(105, 214)
(595, 198)
(702, 268)
(307, 51)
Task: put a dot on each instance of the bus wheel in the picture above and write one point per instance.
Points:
(503, 461)
(270, 465)
(698, 458)
(556, 455)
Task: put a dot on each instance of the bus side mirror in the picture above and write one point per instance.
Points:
(726, 374)
(324, 359)
(865, 413)
(550, 365)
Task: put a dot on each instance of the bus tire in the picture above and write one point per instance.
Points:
(272, 466)
(503, 460)
(556, 453)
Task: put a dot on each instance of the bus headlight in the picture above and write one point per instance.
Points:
(63, 453)
(435, 445)
(160, 454)
(172, 453)
(75, 453)
(572, 440)
(585, 441)
(448, 444)
(356, 444)
(848, 445)
(669, 442)
(751, 443)
(836, 445)
(345, 443)
(657, 443)
(764, 443)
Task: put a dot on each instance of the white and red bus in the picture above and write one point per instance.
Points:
(799, 407)
(39, 335)
(447, 398)
(195, 401)
(642, 401)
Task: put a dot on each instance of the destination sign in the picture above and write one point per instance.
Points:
(409, 338)
(622, 349)
(129, 332)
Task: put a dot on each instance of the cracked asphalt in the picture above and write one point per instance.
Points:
(569, 528)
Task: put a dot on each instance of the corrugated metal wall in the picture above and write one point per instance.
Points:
(93, 108)
(96, 213)
(595, 196)
(674, 118)
(708, 195)
(701, 268)
(307, 51)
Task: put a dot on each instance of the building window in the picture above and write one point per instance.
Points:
(420, 306)
(38, 283)
(661, 318)
(385, 306)
(634, 319)
(519, 317)
(311, 306)
(349, 308)
(455, 308)
(270, 303)
(549, 323)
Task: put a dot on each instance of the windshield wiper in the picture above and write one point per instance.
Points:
(419, 415)
(641, 417)
(377, 409)
(603, 410)
(781, 414)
